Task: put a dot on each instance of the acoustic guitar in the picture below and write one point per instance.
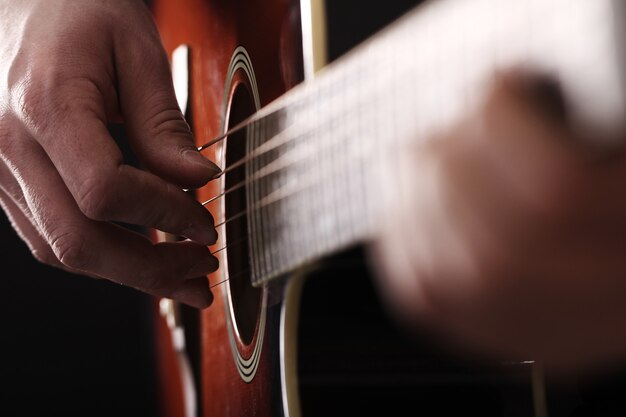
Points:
(300, 121)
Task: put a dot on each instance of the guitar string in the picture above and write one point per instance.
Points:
(233, 277)
(291, 188)
(260, 115)
(301, 127)
(283, 161)
(294, 131)
(276, 166)
(330, 263)
(287, 135)
(231, 245)
(323, 91)
(333, 263)
(282, 193)
(238, 127)
(219, 283)
(273, 143)
(229, 190)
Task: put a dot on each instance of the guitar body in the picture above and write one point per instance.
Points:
(312, 344)
(237, 374)
(315, 341)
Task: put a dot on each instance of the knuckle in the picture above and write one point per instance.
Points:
(5, 137)
(43, 254)
(30, 103)
(70, 249)
(154, 280)
(166, 270)
(166, 121)
(95, 198)
(79, 99)
(157, 215)
(50, 100)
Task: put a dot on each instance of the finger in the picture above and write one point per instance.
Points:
(91, 165)
(21, 218)
(101, 248)
(415, 230)
(526, 105)
(174, 270)
(27, 232)
(194, 292)
(537, 156)
(160, 136)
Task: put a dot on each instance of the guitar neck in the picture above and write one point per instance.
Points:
(316, 154)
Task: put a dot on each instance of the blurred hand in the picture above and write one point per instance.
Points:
(509, 236)
(68, 69)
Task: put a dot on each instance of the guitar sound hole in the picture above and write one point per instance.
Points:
(245, 298)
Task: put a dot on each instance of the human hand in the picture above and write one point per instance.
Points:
(68, 69)
(508, 237)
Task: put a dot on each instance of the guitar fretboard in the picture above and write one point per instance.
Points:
(317, 153)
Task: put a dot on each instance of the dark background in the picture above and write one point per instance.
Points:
(70, 345)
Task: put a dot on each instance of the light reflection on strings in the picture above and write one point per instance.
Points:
(281, 138)
(290, 133)
(299, 129)
(231, 245)
(233, 277)
(290, 188)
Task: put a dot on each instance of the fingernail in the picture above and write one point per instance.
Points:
(196, 158)
(204, 267)
(204, 235)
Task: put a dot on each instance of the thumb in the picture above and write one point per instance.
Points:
(158, 133)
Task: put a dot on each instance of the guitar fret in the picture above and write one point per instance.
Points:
(255, 245)
(266, 218)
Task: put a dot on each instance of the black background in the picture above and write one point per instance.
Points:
(70, 345)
